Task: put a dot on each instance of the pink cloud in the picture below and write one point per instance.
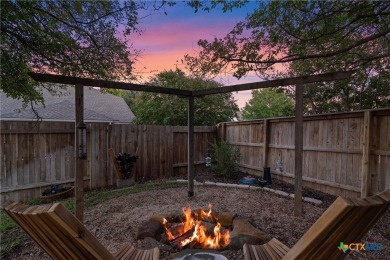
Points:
(167, 39)
(164, 44)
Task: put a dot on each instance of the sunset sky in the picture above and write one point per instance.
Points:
(167, 38)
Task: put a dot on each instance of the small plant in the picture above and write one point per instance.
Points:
(226, 157)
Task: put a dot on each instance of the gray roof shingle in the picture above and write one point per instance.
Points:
(98, 106)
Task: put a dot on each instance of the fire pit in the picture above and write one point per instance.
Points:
(196, 254)
(200, 232)
(200, 229)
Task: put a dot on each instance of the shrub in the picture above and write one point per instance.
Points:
(226, 157)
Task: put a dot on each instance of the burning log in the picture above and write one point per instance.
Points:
(171, 232)
(177, 243)
(210, 217)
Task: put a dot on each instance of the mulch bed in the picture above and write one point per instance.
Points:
(276, 184)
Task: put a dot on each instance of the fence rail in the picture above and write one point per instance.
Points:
(35, 156)
(344, 154)
(337, 156)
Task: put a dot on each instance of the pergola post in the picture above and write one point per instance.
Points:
(80, 165)
(191, 166)
(298, 149)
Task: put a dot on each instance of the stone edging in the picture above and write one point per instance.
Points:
(244, 186)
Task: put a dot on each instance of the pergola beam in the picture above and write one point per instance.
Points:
(276, 83)
(60, 79)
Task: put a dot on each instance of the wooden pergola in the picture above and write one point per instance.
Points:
(299, 82)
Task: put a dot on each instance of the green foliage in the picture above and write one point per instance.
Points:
(226, 157)
(6, 222)
(161, 109)
(292, 38)
(35, 201)
(77, 38)
(9, 239)
(348, 95)
(267, 103)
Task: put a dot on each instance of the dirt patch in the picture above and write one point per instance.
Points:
(115, 221)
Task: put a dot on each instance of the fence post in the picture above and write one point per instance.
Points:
(365, 185)
(223, 132)
(298, 149)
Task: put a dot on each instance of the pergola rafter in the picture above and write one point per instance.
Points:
(297, 81)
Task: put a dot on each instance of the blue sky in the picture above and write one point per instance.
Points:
(167, 38)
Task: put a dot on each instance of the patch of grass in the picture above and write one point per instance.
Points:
(97, 197)
(36, 201)
(6, 223)
(11, 239)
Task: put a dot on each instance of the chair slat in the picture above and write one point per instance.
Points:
(63, 236)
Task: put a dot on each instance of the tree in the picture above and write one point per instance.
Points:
(267, 103)
(364, 91)
(74, 38)
(291, 38)
(162, 109)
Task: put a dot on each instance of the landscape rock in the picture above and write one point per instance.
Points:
(150, 229)
(244, 232)
(226, 219)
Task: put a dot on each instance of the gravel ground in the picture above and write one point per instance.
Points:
(116, 221)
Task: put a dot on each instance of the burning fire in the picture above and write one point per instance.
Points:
(193, 232)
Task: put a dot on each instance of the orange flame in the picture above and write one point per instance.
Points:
(167, 231)
(200, 234)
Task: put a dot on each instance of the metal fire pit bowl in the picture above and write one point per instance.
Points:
(198, 254)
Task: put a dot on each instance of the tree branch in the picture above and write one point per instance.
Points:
(291, 58)
(77, 28)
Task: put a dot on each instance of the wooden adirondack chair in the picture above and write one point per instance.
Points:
(346, 220)
(63, 236)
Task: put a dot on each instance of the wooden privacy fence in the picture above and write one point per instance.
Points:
(344, 154)
(35, 156)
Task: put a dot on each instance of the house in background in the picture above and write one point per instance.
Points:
(98, 107)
